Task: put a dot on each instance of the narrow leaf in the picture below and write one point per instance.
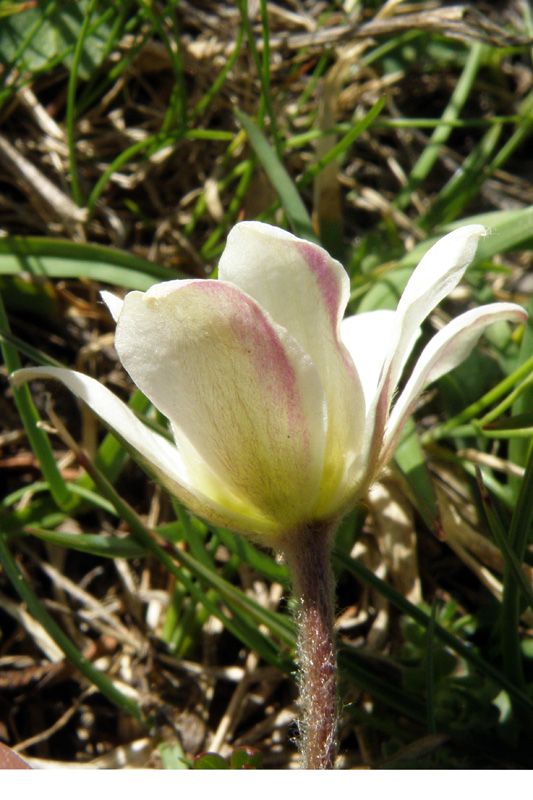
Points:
(60, 258)
(281, 181)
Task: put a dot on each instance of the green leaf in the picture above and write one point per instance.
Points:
(30, 419)
(172, 756)
(93, 543)
(60, 258)
(56, 34)
(502, 540)
(246, 758)
(516, 422)
(512, 543)
(209, 761)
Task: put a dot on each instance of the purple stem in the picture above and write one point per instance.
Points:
(307, 554)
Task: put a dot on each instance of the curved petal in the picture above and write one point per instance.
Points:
(367, 338)
(296, 281)
(439, 271)
(153, 451)
(445, 351)
(306, 292)
(245, 402)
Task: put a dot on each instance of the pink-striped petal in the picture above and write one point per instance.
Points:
(306, 292)
(245, 402)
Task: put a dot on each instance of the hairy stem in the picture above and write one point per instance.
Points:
(307, 554)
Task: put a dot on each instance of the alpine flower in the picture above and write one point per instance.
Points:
(282, 414)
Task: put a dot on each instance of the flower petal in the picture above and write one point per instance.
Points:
(154, 452)
(367, 338)
(245, 402)
(445, 351)
(296, 281)
(439, 271)
(306, 292)
(113, 303)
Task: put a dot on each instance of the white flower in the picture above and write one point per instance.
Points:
(278, 422)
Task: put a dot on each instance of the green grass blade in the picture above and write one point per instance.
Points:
(513, 547)
(71, 104)
(92, 543)
(363, 670)
(410, 460)
(206, 100)
(279, 177)
(474, 409)
(430, 672)
(510, 612)
(30, 419)
(150, 144)
(464, 184)
(27, 350)
(519, 448)
(262, 67)
(503, 540)
(61, 258)
(429, 156)
(280, 626)
(406, 607)
(36, 608)
(181, 564)
(256, 559)
(344, 143)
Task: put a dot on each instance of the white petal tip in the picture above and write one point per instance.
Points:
(467, 236)
(113, 303)
(18, 377)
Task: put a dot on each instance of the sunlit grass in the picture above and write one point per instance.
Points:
(170, 126)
